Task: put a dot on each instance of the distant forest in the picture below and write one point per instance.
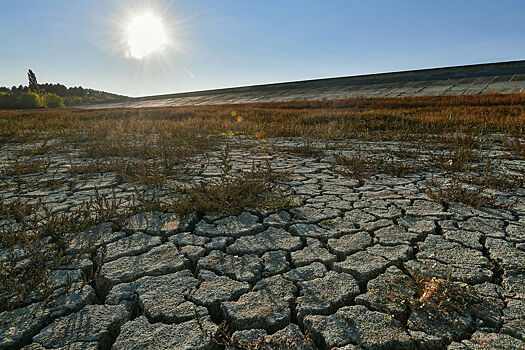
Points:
(47, 95)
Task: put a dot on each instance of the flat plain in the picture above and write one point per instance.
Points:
(360, 223)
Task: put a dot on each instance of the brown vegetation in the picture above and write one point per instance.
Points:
(363, 118)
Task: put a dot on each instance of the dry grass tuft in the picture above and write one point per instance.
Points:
(455, 191)
(20, 167)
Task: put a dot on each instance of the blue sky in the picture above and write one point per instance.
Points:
(224, 43)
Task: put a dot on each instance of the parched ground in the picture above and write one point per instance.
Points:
(368, 247)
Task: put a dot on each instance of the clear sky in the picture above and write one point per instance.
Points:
(225, 43)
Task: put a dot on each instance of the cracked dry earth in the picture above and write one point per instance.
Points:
(344, 269)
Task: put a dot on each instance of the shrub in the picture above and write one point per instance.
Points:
(7, 100)
(29, 100)
(52, 101)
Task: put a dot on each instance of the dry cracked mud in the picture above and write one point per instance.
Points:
(370, 263)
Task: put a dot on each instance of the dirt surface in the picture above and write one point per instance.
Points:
(359, 261)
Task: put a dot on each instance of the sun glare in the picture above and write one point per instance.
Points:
(145, 35)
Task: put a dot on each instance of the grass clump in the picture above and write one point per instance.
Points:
(454, 191)
(34, 242)
(307, 149)
(258, 188)
(516, 147)
(248, 190)
(20, 167)
(442, 298)
(359, 166)
(43, 149)
(151, 173)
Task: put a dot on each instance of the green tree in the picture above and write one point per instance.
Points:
(52, 101)
(8, 100)
(30, 100)
(33, 84)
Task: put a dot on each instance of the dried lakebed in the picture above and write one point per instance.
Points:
(369, 263)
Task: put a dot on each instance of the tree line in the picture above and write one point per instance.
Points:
(47, 95)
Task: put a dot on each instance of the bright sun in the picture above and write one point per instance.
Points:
(145, 35)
